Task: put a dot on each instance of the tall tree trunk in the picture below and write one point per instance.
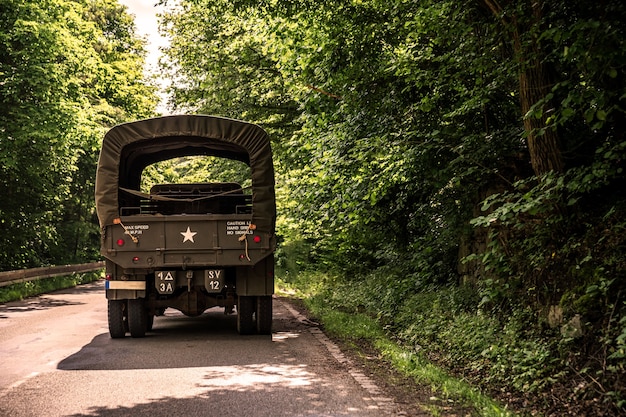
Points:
(534, 85)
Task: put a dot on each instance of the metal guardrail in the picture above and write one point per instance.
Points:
(24, 275)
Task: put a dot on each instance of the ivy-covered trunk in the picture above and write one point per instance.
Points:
(543, 144)
(534, 82)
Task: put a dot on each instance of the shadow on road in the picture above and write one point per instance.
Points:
(40, 303)
(225, 374)
(177, 341)
(197, 367)
(60, 298)
(90, 288)
(301, 402)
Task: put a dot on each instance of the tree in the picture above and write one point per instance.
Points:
(62, 83)
(405, 119)
(524, 24)
(221, 63)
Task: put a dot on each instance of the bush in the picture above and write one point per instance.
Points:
(28, 289)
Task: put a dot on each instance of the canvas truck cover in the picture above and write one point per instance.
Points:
(129, 148)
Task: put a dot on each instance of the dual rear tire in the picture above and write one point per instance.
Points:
(254, 314)
(128, 316)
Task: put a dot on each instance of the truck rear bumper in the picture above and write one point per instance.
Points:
(125, 285)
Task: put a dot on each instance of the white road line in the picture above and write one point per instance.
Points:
(18, 383)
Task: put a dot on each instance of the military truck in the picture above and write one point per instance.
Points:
(190, 247)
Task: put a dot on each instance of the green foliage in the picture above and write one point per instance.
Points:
(23, 290)
(196, 169)
(232, 68)
(354, 322)
(68, 70)
(564, 226)
(395, 124)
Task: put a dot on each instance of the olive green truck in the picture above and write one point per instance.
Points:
(193, 246)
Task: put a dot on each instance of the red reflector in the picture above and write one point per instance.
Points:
(120, 242)
(257, 239)
(135, 259)
(108, 277)
(242, 256)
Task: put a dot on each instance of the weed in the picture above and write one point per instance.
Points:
(28, 289)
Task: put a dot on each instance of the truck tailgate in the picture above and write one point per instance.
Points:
(152, 241)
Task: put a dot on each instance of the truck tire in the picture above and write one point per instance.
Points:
(264, 314)
(245, 311)
(137, 317)
(117, 319)
(149, 321)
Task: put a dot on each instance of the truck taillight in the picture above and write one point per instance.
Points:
(257, 239)
(120, 242)
(108, 277)
(135, 259)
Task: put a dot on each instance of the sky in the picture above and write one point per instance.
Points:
(145, 12)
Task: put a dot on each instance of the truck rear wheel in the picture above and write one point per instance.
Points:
(245, 311)
(264, 314)
(137, 317)
(117, 318)
(149, 321)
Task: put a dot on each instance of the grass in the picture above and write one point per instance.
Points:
(352, 326)
(23, 290)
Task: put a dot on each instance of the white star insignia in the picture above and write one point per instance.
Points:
(188, 235)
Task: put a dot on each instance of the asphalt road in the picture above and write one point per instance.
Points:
(56, 359)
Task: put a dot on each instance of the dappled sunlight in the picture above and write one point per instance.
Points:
(282, 336)
(191, 366)
(59, 298)
(257, 377)
(260, 390)
(39, 303)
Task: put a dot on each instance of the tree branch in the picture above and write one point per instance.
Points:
(319, 90)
